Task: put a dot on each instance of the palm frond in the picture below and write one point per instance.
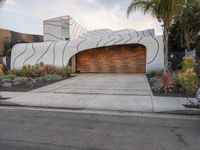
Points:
(144, 6)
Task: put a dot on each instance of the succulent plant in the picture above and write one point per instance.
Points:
(52, 77)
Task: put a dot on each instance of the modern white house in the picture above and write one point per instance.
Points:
(95, 51)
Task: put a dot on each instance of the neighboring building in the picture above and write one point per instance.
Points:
(96, 51)
(9, 38)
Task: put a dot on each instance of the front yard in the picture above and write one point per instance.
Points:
(176, 84)
(31, 77)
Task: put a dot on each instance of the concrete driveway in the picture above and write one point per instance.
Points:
(118, 92)
(121, 92)
(106, 84)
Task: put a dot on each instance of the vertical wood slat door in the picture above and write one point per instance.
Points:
(116, 59)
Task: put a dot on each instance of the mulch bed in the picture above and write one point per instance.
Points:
(26, 88)
(192, 106)
(175, 93)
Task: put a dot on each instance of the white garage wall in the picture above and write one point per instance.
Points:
(58, 53)
(155, 55)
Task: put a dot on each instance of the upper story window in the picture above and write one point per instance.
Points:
(65, 29)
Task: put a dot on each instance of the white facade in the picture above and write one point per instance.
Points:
(62, 28)
(58, 52)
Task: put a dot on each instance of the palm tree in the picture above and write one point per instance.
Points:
(164, 10)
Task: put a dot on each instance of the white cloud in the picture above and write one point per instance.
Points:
(92, 14)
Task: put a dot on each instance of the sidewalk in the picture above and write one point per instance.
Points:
(108, 92)
(101, 102)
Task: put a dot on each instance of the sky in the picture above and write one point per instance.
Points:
(27, 15)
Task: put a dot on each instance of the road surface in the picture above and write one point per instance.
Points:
(49, 130)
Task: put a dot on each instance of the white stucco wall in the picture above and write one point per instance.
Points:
(155, 55)
(58, 53)
(75, 29)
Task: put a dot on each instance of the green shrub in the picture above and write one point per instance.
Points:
(156, 85)
(31, 74)
(10, 76)
(68, 71)
(188, 63)
(31, 82)
(52, 77)
(1, 69)
(3, 79)
(63, 71)
(7, 78)
(153, 74)
(28, 71)
(39, 79)
(20, 72)
(40, 70)
(14, 80)
(188, 81)
(17, 81)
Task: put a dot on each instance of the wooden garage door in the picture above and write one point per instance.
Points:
(117, 59)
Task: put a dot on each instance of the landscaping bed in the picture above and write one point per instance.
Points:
(31, 77)
(25, 87)
(175, 92)
(180, 83)
(192, 106)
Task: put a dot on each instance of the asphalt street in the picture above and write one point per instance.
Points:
(48, 130)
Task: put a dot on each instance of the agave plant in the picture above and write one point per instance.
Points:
(168, 81)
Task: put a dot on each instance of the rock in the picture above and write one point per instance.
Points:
(6, 84)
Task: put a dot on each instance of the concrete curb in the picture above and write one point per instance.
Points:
(175, 112)
(6, 103)
(183, 112)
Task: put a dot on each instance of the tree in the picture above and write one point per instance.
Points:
(186, 27)
(165, 11)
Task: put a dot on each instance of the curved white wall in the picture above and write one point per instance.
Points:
(58, 53)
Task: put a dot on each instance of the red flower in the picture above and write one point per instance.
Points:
(45, 70)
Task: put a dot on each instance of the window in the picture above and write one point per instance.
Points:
(65, 29)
